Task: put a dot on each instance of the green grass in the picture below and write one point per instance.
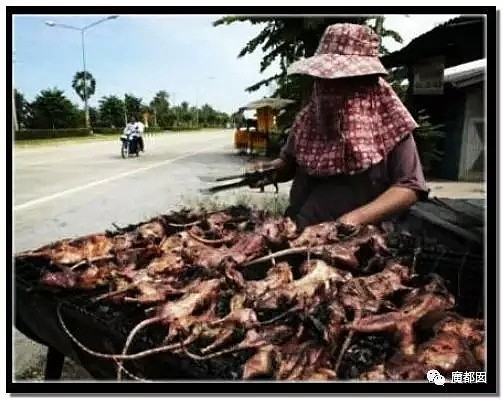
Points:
(62, 141)
(97, 137)
(71, 140)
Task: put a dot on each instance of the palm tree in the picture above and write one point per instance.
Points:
(84, 85)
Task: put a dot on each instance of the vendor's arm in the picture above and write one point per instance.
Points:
(407, 186)
(285, 164)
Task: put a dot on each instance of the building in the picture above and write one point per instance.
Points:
(467, 84)
(445, 69)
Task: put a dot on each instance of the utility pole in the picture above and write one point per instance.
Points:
(125, 110)
(15, 126)
(86, 107)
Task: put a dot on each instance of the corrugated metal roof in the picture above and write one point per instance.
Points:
(452, 37)
(467, 71)
(463, 74)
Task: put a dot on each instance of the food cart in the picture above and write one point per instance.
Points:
(254, 137)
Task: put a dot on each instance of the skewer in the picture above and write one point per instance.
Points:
(92, 260)
(227, 239)
(282, 253)
(188, 225)
(273, 260)
(111, 294)
(346, 344)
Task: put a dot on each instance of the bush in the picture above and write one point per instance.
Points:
(184, 128)
(27, 134)
(107, 131)
(152, 129)
(118, 131)
(428, 138)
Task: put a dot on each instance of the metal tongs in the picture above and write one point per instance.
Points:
(261, 177)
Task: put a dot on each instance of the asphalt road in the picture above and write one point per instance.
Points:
(76, 189)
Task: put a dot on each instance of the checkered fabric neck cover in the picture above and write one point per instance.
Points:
(346, 127)
(349, 39)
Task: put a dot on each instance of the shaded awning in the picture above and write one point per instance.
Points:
(275, 103)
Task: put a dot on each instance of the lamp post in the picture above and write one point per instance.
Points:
(125, 109)
(15, 125)
(82, 31)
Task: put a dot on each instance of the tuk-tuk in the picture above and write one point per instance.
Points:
(253, 135)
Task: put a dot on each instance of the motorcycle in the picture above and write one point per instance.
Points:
(130, 144)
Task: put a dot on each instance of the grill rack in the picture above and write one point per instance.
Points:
(124, 317)
(463, 271)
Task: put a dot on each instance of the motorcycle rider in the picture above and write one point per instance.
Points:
(134, 129)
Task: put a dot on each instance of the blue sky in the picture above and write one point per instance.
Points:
(143, 54)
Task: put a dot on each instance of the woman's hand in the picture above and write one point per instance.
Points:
(271, 176)
(260, 166)
(392, 201)
(349, 219)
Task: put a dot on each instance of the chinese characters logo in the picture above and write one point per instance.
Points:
(456, 377)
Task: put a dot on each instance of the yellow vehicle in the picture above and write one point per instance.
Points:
(254, 136)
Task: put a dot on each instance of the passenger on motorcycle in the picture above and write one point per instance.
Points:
(135, 129)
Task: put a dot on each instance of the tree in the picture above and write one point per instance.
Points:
(289, 39)
(133, 106)
(184, 115)
(84, 85)
(23, 109)
(207, 116)
(286, 40)
(93, 116)
(52, 110)
(184, 106)
(84, 88)
(111, 111)
(237, 118)
(428, 137)
(160, 106)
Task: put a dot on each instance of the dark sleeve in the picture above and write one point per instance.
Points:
(287, 153)
(404, 167)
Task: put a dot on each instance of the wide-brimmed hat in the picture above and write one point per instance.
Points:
(345, 50)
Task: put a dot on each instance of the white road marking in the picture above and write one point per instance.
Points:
(77, 189)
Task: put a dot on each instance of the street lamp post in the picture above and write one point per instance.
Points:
(125, 109)
(82, 31)
(15, 125)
